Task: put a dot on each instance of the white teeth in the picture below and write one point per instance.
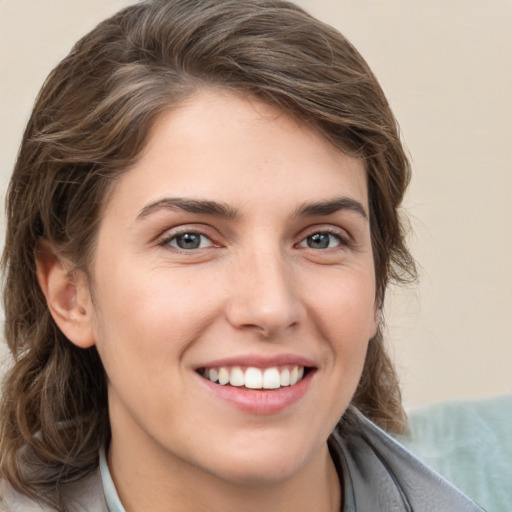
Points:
(255, 378)
(285, 377)
(294, 376)
(271, 379)
(237, 376)
(223, 376)
(213, 375)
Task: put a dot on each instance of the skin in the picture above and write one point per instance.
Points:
(255, 285)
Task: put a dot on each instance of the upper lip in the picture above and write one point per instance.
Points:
(260, 361)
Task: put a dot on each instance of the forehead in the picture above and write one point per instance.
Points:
(239, 149)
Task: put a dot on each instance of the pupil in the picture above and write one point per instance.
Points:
(189, 241)
(318, 241)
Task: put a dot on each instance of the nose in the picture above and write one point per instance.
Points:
(263, 295)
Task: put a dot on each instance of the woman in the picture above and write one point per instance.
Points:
(202, 223)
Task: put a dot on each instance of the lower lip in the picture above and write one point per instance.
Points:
(262, 402)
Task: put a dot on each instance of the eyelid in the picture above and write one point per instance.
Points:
(174, 238)
(343, 235)
(173, 233)
(332, 236)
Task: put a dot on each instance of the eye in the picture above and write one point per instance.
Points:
(322, 240)
(188, 241)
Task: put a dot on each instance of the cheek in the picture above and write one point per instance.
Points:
(148, 314)
(345, 315)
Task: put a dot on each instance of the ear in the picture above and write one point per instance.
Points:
(67, 295)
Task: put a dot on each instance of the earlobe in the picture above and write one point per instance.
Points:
(67, 294)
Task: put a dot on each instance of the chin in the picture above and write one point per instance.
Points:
(267, 466)
(254, 474)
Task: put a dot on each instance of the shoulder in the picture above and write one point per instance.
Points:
(84, 495)
(13, 501)
(380, 474)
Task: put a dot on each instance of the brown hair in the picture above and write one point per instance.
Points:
(90, 123)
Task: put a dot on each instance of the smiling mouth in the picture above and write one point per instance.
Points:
(251, 377)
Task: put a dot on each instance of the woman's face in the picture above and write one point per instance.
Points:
(237, 248)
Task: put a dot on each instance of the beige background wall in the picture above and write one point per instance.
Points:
(446, 66)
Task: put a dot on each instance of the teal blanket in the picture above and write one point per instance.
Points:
(470, 444)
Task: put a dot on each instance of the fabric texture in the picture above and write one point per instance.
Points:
(377, 474)
(470, 444)
(85, 495)
(381, 475)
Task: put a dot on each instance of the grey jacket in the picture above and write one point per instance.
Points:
(379, 475)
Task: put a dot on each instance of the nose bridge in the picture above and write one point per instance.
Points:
(264, 295)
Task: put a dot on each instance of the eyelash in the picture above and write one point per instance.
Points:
(167, 241)
(343, 240)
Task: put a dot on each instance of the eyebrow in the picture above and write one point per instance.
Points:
(321, 208)
(198, 206)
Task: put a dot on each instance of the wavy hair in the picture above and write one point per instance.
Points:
(89, 125)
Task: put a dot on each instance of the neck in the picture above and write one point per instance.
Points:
(152, 483)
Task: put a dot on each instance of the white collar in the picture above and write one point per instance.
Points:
(111, 497)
